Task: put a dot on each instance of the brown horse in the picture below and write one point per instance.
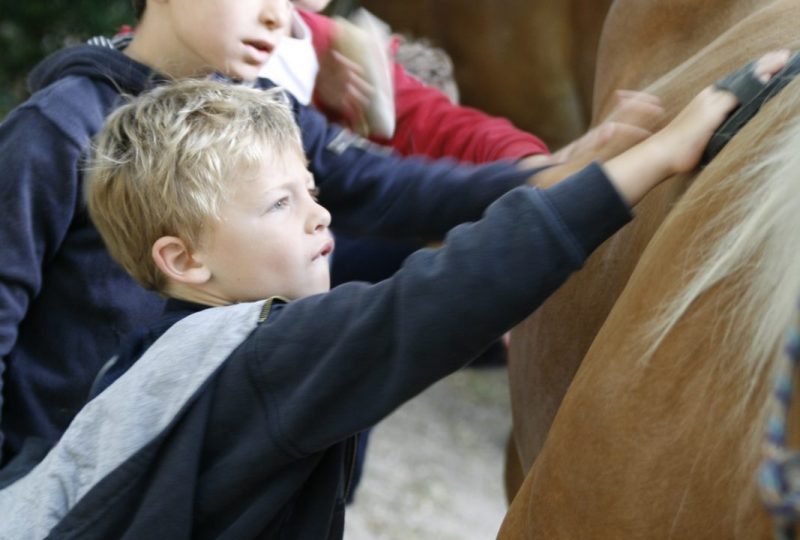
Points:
(658, 433)
(532, 62)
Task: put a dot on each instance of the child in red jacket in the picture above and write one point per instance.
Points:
(427, 122)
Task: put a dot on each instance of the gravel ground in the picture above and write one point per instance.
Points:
(434, 467)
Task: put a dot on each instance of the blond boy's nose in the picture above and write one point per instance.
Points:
(322, 218)
(275, 14)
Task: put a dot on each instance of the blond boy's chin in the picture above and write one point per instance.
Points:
(204, 296)
(191, 293)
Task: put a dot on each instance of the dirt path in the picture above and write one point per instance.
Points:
(434, 468)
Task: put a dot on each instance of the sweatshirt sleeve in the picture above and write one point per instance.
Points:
(429, 124)
(38, 203)
(341, 361)
(39, 196)
(370, 190)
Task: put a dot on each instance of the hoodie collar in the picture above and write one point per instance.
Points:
(98, 62)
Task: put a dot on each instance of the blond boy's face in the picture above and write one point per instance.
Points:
(234, 37)
(272, 238)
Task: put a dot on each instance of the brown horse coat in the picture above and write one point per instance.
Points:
(559, 334)
(641, 451)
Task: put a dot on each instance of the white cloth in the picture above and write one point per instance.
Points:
(293, 64)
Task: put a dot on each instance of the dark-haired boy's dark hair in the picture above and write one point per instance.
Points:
(138, 7)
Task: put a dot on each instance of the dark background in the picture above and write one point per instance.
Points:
(31, 30)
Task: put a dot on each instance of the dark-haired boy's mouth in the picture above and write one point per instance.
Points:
(261, 46)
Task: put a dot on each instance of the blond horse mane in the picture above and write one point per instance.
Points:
(747, 255)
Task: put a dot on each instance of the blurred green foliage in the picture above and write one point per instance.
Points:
(30, 30)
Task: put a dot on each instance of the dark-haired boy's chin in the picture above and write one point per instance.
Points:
(246, 74)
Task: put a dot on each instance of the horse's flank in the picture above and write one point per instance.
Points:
(661, 438)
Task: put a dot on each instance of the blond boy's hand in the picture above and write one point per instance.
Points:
(678, 147)
(709, 109)
(686, 136)
(675, 149)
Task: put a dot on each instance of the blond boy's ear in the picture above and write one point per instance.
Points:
(178, 263)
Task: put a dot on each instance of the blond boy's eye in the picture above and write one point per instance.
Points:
(314, 192)
(281, 203)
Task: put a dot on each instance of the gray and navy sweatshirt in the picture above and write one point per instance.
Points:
(238, 422)
(64, 304)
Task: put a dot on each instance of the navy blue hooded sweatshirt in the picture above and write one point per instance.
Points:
(238, 422)
(64, 303)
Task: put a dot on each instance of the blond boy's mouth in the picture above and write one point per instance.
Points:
(327, 249)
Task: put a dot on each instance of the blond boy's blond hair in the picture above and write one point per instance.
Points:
(163, 162)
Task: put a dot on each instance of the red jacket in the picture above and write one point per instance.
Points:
(428, 123)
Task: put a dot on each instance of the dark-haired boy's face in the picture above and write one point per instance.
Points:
(234, 37)
(312, 5)
(272, 238)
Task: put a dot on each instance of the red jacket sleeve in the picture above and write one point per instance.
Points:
(429, 124)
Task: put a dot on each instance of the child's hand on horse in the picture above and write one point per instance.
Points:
(689, 133)
(677, 148)
(631, 122)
